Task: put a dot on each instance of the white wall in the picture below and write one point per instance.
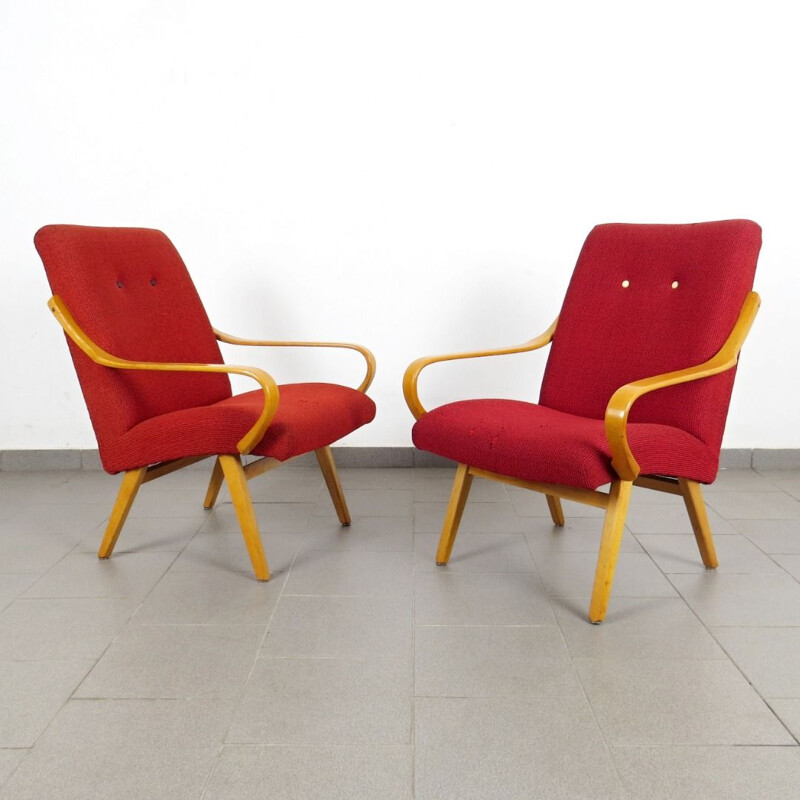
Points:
(417, 176)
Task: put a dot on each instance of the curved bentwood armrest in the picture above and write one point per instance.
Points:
(368, 357)
(411, 377)
(100, 356)
(618, 409)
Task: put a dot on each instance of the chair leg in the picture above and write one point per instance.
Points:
(455, 510)
(613, 527)
(127, 494)
(237, 484)
(215, 484)
(556, 512)
(328, 467)
(693, 498)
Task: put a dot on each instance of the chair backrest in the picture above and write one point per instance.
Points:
(129, 289)
(648, 299)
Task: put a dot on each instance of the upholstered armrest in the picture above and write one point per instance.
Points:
(100, 356)
(619, 407)
(368, 357)
(411, 376)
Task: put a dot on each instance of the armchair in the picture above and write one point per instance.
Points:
(635, 391)
(157, 390)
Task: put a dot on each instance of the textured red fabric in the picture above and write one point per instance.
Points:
(622, 320)
(534, 443)
(130, 291)
(309, 416)
(608, 335)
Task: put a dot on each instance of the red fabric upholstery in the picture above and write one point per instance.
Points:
(309, 416)
(130, 291)
(534, 443)
(609, 334)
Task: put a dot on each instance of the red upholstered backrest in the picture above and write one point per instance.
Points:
(130, 291)
(610, 334)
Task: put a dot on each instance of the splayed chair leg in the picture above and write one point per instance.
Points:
(556, 512)
(328, 467)
(131, 482)
(455, 510)
(693, 498)
(613, 527)
(240, 495)
(214, 485)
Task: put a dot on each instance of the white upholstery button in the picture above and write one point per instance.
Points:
(625, 284)
(674, 284)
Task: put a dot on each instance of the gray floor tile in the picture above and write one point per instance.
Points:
(371, 503)
(773, 535)
(302, 773)
(175, 661)
(788, 711)
(282, 486)
(340, 627)
(325, 701)
(208, 552)
(101, 749)
(31, 693)
(769, 657)
(673, 702)
(493, 662)
(210, 598)
(528, 503)
(791, 563)
(641, 627)
(740, 480)
(271, 517)
(73, 522)
(354, 572)
(754, 505)
(741, 600)
(363, 533)
(678, 553)
(20, 552)
(512, 748)
(484, 552)
(365, 478)
(710, 773)
(12, 586)
(85, 575)
(147, 535)
(150, 502)
(9, 760)
(478, 518)
(579, 535)
(64, 628)
(660, 518)
(572, 575)
(480, 599)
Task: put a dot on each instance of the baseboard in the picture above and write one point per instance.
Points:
(37, 460)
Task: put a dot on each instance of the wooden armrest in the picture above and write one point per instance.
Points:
(411, 376)
(100, 356)
(368, 357)
(619, 406)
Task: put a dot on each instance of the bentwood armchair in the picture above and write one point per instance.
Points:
(635, 391)
(157, 390)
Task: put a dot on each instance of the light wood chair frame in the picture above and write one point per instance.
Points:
(615, 501)
(227, 467)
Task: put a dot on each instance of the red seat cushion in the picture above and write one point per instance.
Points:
(535, 443)
(309, 416)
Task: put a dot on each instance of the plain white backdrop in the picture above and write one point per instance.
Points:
(415, 176)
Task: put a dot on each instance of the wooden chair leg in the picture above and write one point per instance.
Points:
(613, 527)
(455, 510)
(240, 495)
(127, 494)
(215, 484)
(693, 498)
(556, 512)
(328, 467)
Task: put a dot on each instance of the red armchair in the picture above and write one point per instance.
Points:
(155, 384)
(635, 391)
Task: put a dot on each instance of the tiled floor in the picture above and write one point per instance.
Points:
(361, 670)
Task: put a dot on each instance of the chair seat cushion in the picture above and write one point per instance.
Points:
(309, 416)
(536, 443)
